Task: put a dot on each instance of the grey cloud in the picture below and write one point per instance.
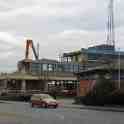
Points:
(59, 26)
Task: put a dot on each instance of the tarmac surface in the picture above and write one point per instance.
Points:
(67, 113)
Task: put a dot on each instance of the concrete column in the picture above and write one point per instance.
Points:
(5, 84)
(62, 85)
(3, 87)
(45, 86)
(23, 85)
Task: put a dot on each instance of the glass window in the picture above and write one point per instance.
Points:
(44, 67)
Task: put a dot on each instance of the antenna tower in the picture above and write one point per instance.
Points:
(110, 25)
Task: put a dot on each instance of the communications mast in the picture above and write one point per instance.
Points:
(110, 25)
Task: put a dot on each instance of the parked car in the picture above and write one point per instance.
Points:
(43, 100)
(69, 92)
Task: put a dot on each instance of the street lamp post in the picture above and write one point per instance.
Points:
(119, 72)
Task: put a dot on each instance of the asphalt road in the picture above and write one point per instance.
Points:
(21, 113)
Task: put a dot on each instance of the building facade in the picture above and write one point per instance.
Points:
(47, 65)
(94, 56)
(88, 79)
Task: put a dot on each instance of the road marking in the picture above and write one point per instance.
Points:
(62, 117)
(7, 114)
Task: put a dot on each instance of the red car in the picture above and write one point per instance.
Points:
(43, 100)
(69, 92)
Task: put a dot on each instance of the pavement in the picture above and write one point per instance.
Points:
(67, 113)
(69, 103)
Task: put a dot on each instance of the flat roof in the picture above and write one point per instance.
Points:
(98, 49)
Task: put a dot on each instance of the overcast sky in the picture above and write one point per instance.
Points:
(58, 25)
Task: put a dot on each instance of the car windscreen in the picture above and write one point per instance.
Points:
(46, 97)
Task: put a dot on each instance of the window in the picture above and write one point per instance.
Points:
(44, 67)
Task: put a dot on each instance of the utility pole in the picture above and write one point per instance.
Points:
(110, 24)
(119, 71)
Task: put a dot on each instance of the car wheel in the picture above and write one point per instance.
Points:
(32, 105)
(44, 105)
(55, 106)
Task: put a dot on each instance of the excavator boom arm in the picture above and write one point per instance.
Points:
(29, 44)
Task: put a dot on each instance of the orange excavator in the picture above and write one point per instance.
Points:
(29, 44)
(25, 65)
